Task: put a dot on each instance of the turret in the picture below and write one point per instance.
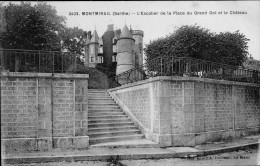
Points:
(125, 57)
(93, 49)
(86, 47)
(138, 36)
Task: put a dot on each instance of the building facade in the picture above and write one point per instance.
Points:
(117, 50)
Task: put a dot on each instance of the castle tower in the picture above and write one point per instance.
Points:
(125, 56)
(108, 46)
(86, 47)
(138, 36)
(93, 50)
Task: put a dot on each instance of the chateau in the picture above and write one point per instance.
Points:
(117, 50)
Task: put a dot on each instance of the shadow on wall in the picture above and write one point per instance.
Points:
(97, 79)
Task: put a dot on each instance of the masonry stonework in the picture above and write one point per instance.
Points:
(189, 111)
(138, 102)
(41, 111)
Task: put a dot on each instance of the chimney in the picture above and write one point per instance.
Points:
(110, 27)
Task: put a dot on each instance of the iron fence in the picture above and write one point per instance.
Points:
(188, 67)
(16, 60)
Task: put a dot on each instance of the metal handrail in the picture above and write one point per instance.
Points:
(4, 49)
(37, 60)
(185, 66)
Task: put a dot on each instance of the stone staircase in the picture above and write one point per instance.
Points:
(107, 121)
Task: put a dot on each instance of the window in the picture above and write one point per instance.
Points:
(114, 58)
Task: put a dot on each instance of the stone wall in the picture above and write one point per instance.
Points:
(138, 102)
(187, 111)
(41, 111)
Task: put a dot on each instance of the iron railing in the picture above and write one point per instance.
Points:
(16, 60)
(183, 66)
(110, 75)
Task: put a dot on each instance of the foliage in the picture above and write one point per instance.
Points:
(32, 27)
(73, 39)
(197, 42)
(39, 27)
(252, 64)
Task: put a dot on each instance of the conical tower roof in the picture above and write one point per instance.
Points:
(95, 37)
(126, 33)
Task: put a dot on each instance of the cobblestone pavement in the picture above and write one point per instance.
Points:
(247, 157)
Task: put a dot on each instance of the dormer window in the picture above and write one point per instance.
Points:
(100, 50)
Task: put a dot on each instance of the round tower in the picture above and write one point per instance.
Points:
(86, 47)
(125, 48)
(138, 36)
(93, 49)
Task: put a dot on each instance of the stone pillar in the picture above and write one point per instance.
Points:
(162, 104)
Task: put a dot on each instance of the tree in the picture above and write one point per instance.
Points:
(252, 64)
(39, 27)
(197, 42)
(74, 39)
(34, 28)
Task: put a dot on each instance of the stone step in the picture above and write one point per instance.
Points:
(101, 100)
(112, 129)
(139, 143)
(101, 125)
(99, 97)
(92, 104)
(97, 89)
(105, 110)
(103, 107)
(107, 117)
(116, 138)
(91, 121)
(112, 134)
(103, 95)
(98, 93)
(109, 113)
(106, 120)
(93, 109)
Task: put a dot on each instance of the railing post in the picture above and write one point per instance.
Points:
(53, 62)
(161, 66)
(39, 55)
(2, 58)
(62, 56)
(16, 59)
(255, 76)
(75, 57)
(223, 72)
(2, 55)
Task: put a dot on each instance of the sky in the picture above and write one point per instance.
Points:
(218, 16)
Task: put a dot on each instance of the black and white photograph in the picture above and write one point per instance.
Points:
(130, 83)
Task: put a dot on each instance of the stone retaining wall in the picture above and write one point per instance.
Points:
(41, 111)
(185, 111)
